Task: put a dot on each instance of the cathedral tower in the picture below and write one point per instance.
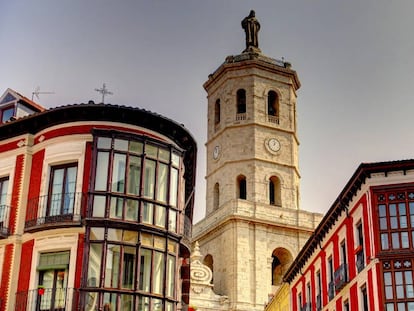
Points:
(253, 226)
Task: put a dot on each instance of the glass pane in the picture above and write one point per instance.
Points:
(393, 222)
(7, 114)
(98, 206)
(159, 242)
(131, 212)
(143, 304)
(387, 278)
(104, 142)
(4, 186)
(118, 173)
(69, 190)
(130, 237)
(151, 151)
(128, 275)
(101, 178)
(175, 159)
(401, 306)
(156, 304)
(116, 208)
(172, 221)
(127, 302)
(115, 235)
(160, 216)
(158, 274)
(410, 306)
(410, 291)
(390, 307)
(147, 212)
(395, 240)
(97, 233)
(112, 266)
(149, 179)
(173, 187)
(383, 223)
(134, 175)
(393, 209)
(146, 239)
(170, 275)
(164, 155)
(384, 241)
(120, 144)
(388, 292)
(94, 265)
(382, 210)
(109, 302)
(145, 270)
(56, 193)
(403, 221)
(136, 147)
(404, 240)
(162, 183)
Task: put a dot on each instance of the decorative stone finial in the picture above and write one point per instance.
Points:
(251, 27)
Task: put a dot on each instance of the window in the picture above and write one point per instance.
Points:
(395, 211)
(6, 113)
(274, 191)
(281, 260)
(116, 262)
(364, 298)
(318, 291)
(242, 188)
(360, 257)
(308, 294)
(137, 175)
(241, 101)
(331, 284)
(62, 189)
(53, 278)
(4, 209)
(346, 305)
(217, 111)
(273, 107)
(343, 252)
(398, 284)
(216, 196)
(300, 301)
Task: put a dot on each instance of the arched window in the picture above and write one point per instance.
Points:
(281, 260)
(216, 197)
(241, 101)
(242, 189)
(274, 191)
(217, 112)
(272, 104)
(209, 262)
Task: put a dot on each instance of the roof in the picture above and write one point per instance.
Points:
(24, 100)
(340, 205)
(36, 122)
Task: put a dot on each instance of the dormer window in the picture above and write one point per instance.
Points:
(6, 113)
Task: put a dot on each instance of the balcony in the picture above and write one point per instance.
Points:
(240, 116)
(54, 211)
(48, 299)
(360, 260)
(331, 290)
(4, 221)
(273, 119)
(341, 276)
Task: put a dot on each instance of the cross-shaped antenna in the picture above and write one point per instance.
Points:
(104, 91)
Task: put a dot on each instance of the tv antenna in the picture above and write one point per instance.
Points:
(37, 92)
(104, 91)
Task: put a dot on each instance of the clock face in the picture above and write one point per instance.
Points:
(274, 144)
(216, 152)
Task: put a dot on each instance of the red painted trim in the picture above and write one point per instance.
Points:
(370, 290)
(313, 287)
(79, 256)
(335, 241)
(17, 183)
(10, 146)
(35, 182)
(367, 230)
(86, 129)
(353, 296)
(380, 284)
(350, 247)
(294, 299)
(6, 275)
(324, 279)
(338, 304)
(86, 176)
(25, 266)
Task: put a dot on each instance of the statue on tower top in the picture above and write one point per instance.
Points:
(251, 27)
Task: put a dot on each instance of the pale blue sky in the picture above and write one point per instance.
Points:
(355, 60)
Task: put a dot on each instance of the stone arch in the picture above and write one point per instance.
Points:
(281, 260)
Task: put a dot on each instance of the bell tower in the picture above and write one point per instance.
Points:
(253, 226)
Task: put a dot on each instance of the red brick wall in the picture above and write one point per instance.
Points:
(25, 266)
(6, 275)
(35, 182)
(17, 184)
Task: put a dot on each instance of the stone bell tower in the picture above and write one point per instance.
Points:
(253, 228)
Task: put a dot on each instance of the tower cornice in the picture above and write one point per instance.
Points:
(253, 61)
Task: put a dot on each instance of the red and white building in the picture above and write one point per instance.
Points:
(361, 256)
(96, 205)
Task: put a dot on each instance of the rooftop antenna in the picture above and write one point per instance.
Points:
(104, 91)
(37, 92)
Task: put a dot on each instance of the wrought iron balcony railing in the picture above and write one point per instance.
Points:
(331, 290)
(4, 221)
(47, 299)
(61, 209)
(360, 260)
(341, 276)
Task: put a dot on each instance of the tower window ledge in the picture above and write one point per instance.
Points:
(273, 119)
(240, 116)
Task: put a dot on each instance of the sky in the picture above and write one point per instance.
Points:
(355, 61)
